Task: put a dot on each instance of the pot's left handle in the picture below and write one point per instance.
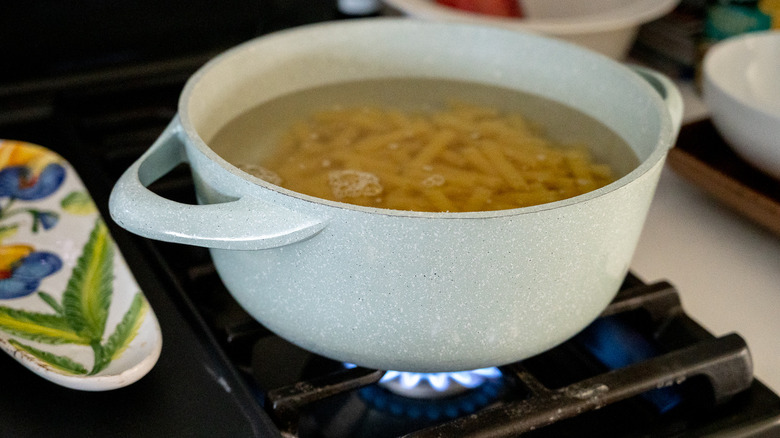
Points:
(245, 224)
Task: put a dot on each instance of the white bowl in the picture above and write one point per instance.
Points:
(606, 26)
(741, 88)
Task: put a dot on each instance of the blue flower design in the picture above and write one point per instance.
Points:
(28, 173)
(48, 219)
(19, 182)
(23, 276)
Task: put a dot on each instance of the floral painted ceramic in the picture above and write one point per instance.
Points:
(70, 310)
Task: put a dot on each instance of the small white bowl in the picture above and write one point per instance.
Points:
(741, 88)
(606, 26)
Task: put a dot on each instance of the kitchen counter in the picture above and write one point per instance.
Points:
(726, 268)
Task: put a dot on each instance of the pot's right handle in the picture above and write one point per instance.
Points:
(246, 223)
(669, 93)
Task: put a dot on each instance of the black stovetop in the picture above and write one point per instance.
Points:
(222, 374)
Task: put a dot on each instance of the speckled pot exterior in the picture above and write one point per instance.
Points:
(408, 291)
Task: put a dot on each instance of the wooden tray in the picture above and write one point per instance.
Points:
(703, 157)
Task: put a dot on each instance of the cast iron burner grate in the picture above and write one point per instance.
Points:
(724, 362)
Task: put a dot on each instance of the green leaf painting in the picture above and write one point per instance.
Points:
(40, 327)
(81, 317)
(88, 294)
(79, 203)
(124, 333)
(61, 363)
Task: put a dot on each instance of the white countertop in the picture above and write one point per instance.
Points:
(725, 267)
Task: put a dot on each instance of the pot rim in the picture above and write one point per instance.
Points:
(658, 154)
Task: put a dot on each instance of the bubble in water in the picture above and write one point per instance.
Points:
(435, 180)
(262, 173)
(352, 183)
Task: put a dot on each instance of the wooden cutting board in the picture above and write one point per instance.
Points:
(703, 157)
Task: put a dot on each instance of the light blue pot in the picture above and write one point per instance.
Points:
(408, 291)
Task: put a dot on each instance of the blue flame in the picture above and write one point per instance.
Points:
(455, 394)
(442, 381)
(616, 346)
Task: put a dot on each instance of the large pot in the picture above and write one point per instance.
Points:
(400, 290)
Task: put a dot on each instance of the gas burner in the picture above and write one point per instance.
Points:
(423, 401)
(433, 396)
(436, 385)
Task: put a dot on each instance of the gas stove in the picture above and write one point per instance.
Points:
(644, 368)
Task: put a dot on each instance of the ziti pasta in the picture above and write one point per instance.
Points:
(463, 158)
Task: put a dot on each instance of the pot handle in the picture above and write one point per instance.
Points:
(669, 93)
(243, 224)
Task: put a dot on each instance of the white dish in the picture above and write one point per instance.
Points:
(70, 310)
(606, 26)
(742, 91)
